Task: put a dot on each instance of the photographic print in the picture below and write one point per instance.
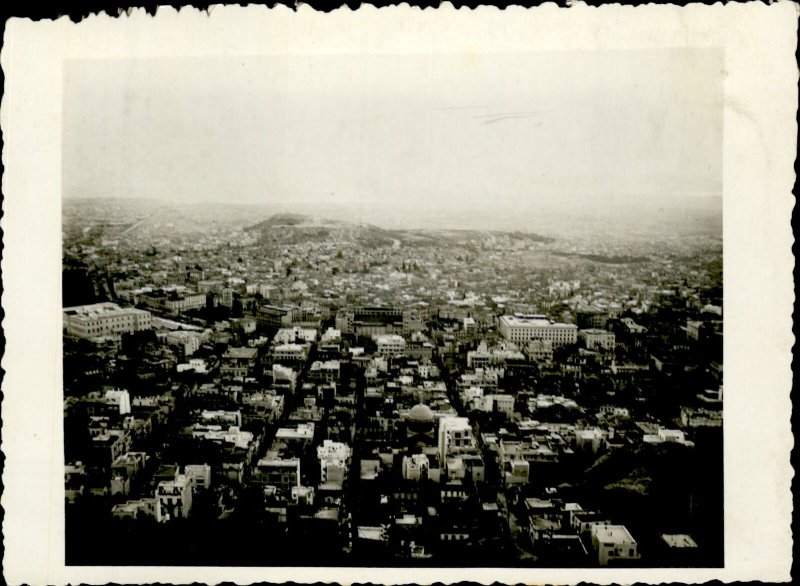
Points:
(399, 296)
(444, 310)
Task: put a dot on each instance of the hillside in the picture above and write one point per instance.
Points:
(288, 228)
(297, 228)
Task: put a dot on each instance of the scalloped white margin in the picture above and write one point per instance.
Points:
(760, 146)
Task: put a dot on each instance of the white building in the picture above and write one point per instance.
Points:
(196, 364)
(520, 328)
(469, 325)
(331, 336)
(612, 543)
(121, 398)
(290, 335)
(222, 418)
(105, 319)
(189, 341)
(327, 370)
(232, 435)
(302, 432)
(174, 498)
(284, 376)
(483, 357)
(455, 436)
(590, 440)
(667, 436)
(501, 403)
(289, 352)
(516, 471)
(334, 460)
(185, 302)
(416, 467)
(302, 495)
(390, 344)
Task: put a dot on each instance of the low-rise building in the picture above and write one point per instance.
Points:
(289, 353)
(295, 334)
(324, 371)
(238, 363)
(596, 339)
(613, 544)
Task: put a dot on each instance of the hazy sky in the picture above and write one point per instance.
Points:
(481, 131)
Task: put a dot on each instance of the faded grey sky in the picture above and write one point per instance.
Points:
(482, 131)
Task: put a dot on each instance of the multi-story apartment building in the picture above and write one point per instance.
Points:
(390, 344)
(520, 328)
(173, 302)
(238, 363)
(334, 460)
(282, 473)
(596, 339)
(275, 316)
(105, 319)
(174, 498)
(455, 436)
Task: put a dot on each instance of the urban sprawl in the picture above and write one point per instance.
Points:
(306, 392)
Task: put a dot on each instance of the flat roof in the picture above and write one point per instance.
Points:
(680, 540)
(240, 353)
(101, 309)
(534, 321)
(613, 534)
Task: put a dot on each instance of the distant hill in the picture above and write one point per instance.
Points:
(296, 228)
(281, 220)
(287, 228)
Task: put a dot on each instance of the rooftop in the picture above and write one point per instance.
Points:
(526, 320)
(100, 309)
(679, 540)
(247, 353)
(533, 320)
(612, 534)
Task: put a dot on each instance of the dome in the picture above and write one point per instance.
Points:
(420, 413)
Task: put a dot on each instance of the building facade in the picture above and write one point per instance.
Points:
(105, 319)
(521, 328)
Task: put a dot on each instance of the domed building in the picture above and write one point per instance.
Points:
(420, 426)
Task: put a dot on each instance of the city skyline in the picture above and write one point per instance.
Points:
(383, 397)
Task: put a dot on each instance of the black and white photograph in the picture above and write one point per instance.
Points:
(394, 310)
(403, 310)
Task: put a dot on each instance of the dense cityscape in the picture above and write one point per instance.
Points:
(246, 386)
